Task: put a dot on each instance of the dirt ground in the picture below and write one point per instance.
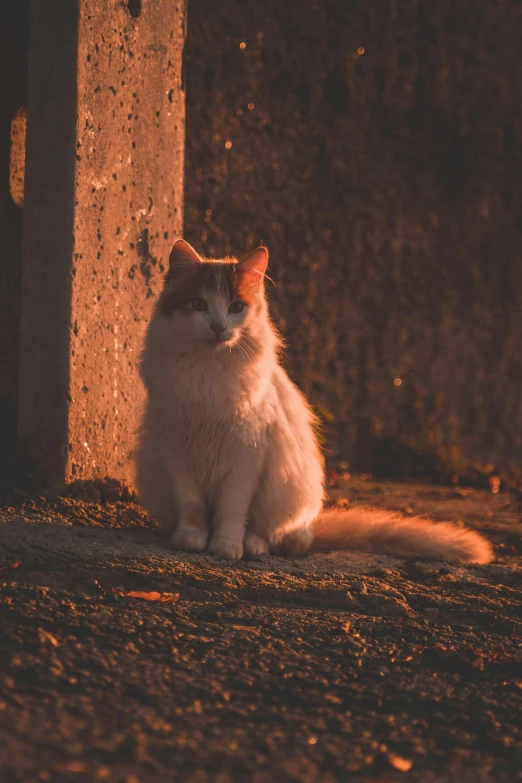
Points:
(341, 667)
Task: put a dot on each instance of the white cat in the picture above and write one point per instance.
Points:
(228, 458)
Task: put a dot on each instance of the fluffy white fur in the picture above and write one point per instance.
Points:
(228, 458)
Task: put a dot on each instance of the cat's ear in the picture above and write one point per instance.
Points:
(254, 263)
(182, 258)
(251, 274)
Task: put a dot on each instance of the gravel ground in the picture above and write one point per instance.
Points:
(341, 667)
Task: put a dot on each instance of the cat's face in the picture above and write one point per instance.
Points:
(210, 302)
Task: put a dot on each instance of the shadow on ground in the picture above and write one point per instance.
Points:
(332, 668)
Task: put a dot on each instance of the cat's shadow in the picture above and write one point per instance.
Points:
(19, 537)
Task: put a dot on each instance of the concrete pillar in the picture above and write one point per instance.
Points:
(103, 202)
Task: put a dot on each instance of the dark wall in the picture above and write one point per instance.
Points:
(13, 67)
(387, 185)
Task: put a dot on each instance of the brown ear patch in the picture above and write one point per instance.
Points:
(178, 293)
(189, 276)
(251, 274)
(181, 286)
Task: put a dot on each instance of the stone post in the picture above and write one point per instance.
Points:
(103, 203)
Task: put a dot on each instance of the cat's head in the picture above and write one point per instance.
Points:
(212, 301)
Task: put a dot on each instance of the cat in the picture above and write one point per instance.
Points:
(228, 459)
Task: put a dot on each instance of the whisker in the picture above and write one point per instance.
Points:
(250, 342)
(241, 349)
(244, 353)
(245, 348)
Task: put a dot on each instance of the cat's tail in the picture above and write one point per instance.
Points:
(376, 530)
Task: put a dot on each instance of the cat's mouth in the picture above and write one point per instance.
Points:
(223, 341)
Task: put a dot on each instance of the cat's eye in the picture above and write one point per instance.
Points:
(236, 307)
(199, 304)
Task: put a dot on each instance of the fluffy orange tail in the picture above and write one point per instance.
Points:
(375, 530)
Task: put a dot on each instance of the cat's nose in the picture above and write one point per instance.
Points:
(217, 328)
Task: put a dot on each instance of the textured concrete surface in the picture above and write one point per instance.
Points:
(103, 203)
(386, 184)
(326, 669)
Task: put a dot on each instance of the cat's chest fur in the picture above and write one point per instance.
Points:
(215, 401)
(217, 418)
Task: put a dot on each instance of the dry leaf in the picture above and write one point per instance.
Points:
(248, 628)
(162, 598)
(333, 699)
(399, 762)
(70, 766)
(45, 636)
(494, 484)
(478, 663)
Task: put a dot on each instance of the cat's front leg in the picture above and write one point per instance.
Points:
(192, 529)
(233, 502)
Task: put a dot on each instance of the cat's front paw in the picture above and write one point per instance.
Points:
(255, 545)
(189, 540)
(226, 548)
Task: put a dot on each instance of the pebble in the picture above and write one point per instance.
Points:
(360, 587)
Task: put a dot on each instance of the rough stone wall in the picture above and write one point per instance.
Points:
(386, 183)
(103, 200)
